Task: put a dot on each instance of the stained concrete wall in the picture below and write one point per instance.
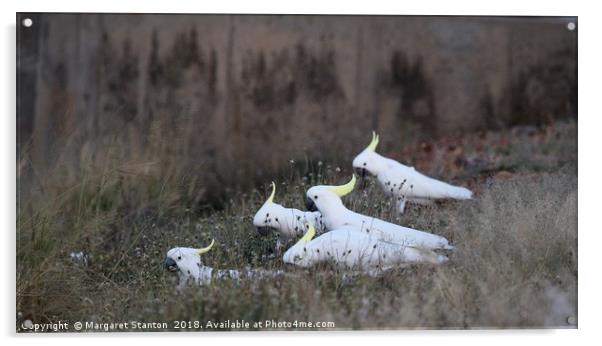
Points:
(210, 89)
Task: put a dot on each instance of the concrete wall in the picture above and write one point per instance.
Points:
(258, 90)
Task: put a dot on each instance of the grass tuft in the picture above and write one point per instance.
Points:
(515, 263)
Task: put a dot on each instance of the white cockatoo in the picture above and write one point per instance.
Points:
(327, 200)
(350, 249)
(288, 222)
(401, 182)
(188, 264)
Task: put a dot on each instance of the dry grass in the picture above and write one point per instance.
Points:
(515, 264)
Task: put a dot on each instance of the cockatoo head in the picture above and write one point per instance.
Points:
(269, 216)
(299, 254)
(367, 161)
(322, 197)
(184, 260)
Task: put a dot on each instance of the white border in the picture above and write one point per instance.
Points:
(457, 7)
(589, 157)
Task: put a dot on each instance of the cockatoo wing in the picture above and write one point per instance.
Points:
(399, 235)
(358, 250)
(401, 180)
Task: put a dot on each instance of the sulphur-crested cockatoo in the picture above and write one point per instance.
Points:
(401, 182)
(188, 264)
(327, 200)
(350, 249)
(288, 222)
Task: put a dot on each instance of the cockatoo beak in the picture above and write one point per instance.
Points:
(264, 230)
(363, 181)
(361, 172)
(171, 265)
(310, 205)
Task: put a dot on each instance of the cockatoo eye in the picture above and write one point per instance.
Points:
(316, 197)
(364, 163)
(179, 258)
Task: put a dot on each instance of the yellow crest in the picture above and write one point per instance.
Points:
(343, 190)
(271, 198)
(311, 232)
(206, 249)
(374, 143)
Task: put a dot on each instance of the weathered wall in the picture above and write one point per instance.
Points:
(201, 87)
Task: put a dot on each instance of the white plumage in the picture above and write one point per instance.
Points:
(327, 200)
(350, 249)
(187, 263)
(401, 182)
(288, 222)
